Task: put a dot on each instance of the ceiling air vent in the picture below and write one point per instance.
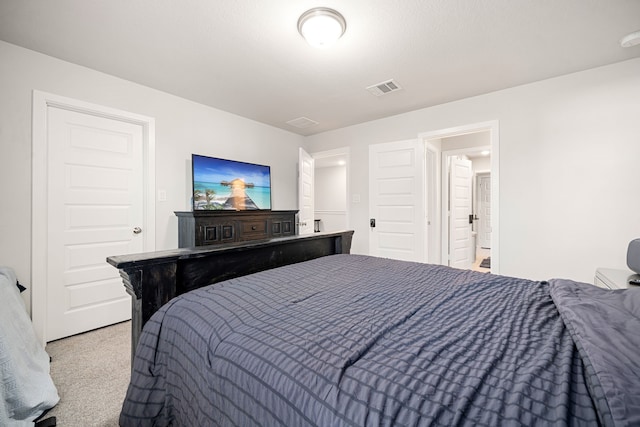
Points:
(384, 88)
(302, 122)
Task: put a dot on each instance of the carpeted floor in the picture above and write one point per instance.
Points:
(91, 372)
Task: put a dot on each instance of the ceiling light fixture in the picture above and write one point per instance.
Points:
(630, 39)
(321, 26)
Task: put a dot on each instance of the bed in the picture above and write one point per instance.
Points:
(26, 388)
(353, 340)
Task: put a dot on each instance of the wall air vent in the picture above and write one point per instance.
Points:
(302, 122)
(384, 88)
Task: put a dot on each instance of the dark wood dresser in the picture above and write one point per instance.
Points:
(201, 228)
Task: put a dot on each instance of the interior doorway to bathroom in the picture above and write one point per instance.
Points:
(462, 196)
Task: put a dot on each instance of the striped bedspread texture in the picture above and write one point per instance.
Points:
(353, 340)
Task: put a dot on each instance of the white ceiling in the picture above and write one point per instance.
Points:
(246, 56)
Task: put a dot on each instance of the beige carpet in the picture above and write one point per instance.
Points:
(91, 372)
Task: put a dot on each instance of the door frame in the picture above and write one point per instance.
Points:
(432, 202)
(494, 137)
(39, 161)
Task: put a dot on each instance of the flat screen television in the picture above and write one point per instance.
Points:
(220, 184)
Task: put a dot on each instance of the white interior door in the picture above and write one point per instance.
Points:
(459, 211)
(396, 200)
(484, 210)
(94, 204)
(305, 192)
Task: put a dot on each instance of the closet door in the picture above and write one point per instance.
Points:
(396, 200)
(94, 205)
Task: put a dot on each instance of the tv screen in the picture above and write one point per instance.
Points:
(220, 184)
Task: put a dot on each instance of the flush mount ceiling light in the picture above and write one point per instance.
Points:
(321, 26)
(630, 39)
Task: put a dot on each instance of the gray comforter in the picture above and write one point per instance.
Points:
(351, 340)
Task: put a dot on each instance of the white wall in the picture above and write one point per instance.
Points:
(330, 190)
(481, 164)
(569, 150)
(468, 140)
(182, 127)
(330, 198)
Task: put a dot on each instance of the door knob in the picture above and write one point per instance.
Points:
(137, 230)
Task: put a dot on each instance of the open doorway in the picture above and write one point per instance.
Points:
(331, 190)
(466, 205)
(462, 196)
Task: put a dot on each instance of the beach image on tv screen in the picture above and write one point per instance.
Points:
(220, 184)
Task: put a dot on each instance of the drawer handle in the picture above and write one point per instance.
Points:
(253, 227)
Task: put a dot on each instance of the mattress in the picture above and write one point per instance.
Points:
(350, 340)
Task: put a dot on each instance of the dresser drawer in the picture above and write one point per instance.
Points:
(215, 233)
(282, 227)
(253, 230)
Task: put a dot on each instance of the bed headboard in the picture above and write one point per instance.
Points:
(153, 278)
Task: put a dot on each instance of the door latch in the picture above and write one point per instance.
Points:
(372, 222)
